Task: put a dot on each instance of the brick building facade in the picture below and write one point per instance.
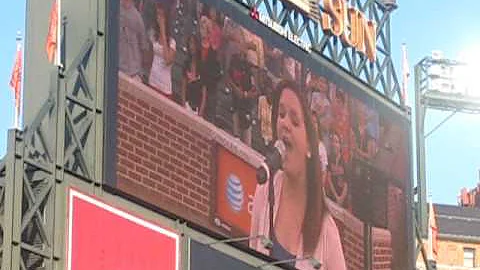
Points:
(458, 238)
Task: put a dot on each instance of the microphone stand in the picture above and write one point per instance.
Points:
(271, 202)
(268, 173)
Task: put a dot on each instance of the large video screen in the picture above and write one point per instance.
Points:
(204, 93)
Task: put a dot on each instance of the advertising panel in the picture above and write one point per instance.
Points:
(203, 92)
(235, 191)
(101, 236)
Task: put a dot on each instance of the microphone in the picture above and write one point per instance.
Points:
(272, 162)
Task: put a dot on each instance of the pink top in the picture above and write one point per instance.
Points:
(329, 249)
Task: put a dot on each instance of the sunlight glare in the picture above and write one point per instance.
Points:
(467, 77)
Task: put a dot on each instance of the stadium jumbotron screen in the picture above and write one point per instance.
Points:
(202, 95)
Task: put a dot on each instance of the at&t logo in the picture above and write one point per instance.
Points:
(235, 193)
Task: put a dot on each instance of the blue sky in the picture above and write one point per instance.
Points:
(11, 20)
(453, 151)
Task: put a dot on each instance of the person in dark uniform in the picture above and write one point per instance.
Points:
(240, 81)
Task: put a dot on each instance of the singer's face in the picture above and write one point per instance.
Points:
(291, 130)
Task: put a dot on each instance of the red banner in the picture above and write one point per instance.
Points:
(51, 44)
(101, 236)
(16, 78)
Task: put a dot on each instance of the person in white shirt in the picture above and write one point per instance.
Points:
(164, 46)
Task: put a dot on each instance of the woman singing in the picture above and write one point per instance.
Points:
(303, 226)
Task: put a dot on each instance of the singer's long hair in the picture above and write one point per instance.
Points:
(315, 209)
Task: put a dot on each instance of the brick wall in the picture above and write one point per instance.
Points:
(165, 154)
(382, 249)
(161, 159)
(451, 255)
(351, 235)
(396, 212)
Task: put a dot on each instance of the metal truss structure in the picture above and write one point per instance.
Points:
(428, 98)
(64, 144)
(379, 75)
